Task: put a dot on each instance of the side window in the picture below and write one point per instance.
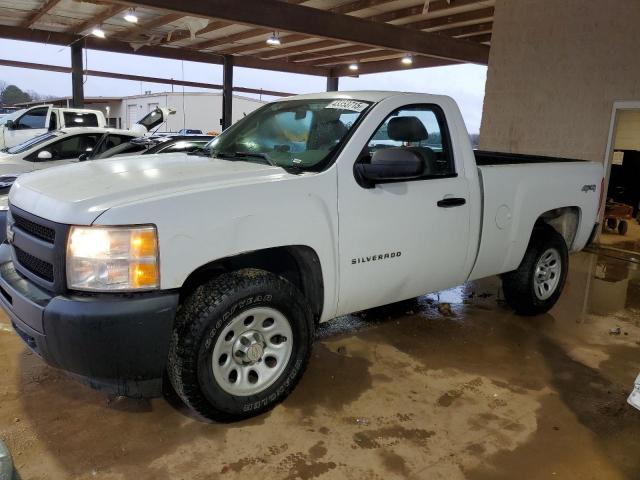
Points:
(421, 129)
(78, 119)
(113, 141)
(35, 118)
(72, 147)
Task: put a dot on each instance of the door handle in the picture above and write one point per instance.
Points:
(451, 202)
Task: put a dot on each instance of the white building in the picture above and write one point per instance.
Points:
(194, 110)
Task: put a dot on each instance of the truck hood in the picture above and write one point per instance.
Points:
(79, 193)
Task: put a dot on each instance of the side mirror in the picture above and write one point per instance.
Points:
(10, 125)
(44, 155)
(389, 164)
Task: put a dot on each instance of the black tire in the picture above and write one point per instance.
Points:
(519, 285)
(201, 319)
(623, 227)
(611, 223)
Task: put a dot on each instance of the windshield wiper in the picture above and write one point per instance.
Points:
(263, 156)
(201, 152)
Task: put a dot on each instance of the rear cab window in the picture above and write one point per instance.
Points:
(80, 119)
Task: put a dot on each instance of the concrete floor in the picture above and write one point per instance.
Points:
(629, 242)
(417, 390)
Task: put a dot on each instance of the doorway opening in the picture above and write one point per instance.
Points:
(620, 218)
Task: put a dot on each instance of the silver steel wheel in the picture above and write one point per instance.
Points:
(252, 351)
(547, 274)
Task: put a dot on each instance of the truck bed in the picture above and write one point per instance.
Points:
(517, 190)
(486, 158)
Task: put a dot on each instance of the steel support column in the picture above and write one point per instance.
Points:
(227, 91)
(77, 87)
(332, 84)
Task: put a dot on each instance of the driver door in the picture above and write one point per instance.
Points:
(403, 238)
(31, 123)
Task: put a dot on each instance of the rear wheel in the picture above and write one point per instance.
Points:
(623, 227)
(538, 282)
(240, 344)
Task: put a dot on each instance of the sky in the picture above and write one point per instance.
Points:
(465, 83)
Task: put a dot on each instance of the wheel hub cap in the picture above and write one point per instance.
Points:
(249, 348)
(252, 351)
(547, 274)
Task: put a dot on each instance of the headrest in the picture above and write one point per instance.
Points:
(406, 129)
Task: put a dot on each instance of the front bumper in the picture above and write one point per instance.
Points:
(115, 343)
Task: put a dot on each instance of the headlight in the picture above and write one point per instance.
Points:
(113, 258)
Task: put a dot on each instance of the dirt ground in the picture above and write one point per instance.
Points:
(451, 386)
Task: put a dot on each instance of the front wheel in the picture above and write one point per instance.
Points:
(240, 344)
(536, 285)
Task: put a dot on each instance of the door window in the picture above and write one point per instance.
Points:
(421, 129)
(35, 118)
(71, 147)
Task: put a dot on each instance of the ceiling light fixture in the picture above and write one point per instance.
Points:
(353, 67)
(131, 16)
(98, 32)
(274, 40)
(407, 59)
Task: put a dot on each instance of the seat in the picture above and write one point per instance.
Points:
(411, 129)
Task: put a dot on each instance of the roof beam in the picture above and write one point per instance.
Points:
(419, 25)
(216, 25)
(434, 6)
(277, 15)
(96, 21)
(389, 66)
(138, 78)
(132, 33)
(292, 37)
(37, 15)
(467, 30)
(436, 22)
(110, 45)
(481, 38)
(472, 15)
(353, 6)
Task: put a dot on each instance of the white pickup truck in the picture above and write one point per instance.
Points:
(216, 268)
(23, 125)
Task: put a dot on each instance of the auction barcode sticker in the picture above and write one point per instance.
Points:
(352, 105)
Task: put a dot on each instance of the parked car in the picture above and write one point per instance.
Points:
(50, 149)
(215, 270)
(151, 145)
(59, 147)
(26, 124)
(189, 131)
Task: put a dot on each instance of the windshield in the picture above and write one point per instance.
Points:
(23, 147)
(295, 133)
(11, 116)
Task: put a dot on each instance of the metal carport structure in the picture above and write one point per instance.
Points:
(330, 38)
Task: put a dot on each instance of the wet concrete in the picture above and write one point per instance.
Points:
(450, 385)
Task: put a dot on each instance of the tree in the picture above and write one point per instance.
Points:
(11, 95)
